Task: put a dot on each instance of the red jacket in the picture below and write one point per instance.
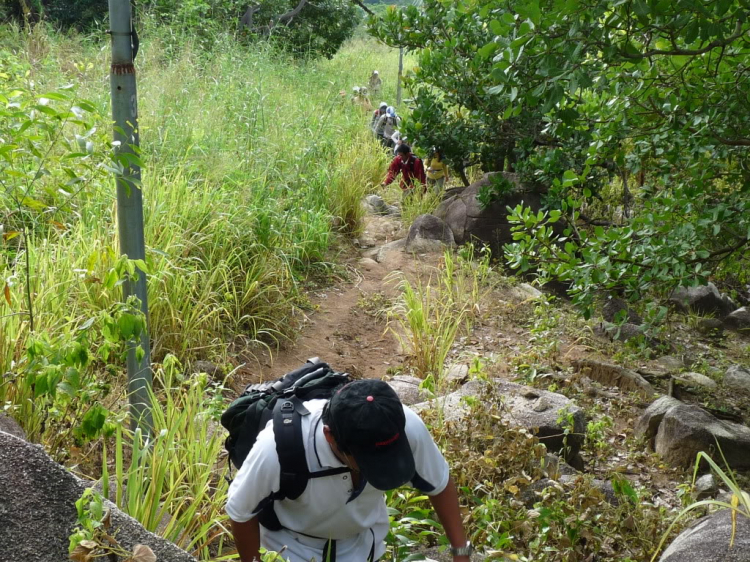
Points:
(410, 170)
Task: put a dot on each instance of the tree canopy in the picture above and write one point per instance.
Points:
(302, 27)
(582, 97)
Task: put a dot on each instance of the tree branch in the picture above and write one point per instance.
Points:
(738, 32)
(364, 7)
(283, 19)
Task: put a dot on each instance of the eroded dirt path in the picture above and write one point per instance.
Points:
(342, 330)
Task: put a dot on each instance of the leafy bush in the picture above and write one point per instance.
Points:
(583, 97)
(499, 469)
(319, 30)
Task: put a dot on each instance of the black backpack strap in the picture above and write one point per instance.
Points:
(327, 472)
(287, 429)
(268, 518)
(371, 557)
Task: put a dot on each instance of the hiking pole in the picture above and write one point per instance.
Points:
(130, 201)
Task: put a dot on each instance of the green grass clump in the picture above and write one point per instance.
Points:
(253, 163)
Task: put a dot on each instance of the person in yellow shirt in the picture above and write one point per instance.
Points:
(437, 171)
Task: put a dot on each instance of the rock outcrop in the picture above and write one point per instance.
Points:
(739, 320)
(678, 432)
(468, 220)
(555, 419)
(428, 233)
(696, 380)
(9, 425)
(38, 511)
(704, 299)
(407, 389)
(377, 206)
(614, 375)
(381, 255)
(708, 540)
(615, 307)
(737, 378)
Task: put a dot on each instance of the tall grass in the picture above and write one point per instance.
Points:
(431, 313)
(739, 502)
(174, 484)
(253, 165)
(254, 162)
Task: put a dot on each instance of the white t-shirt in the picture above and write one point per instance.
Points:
(329, 508)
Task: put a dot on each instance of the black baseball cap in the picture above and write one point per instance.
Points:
(367, 421)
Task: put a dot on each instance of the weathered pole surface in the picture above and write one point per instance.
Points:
(130, 201)
(400, 74)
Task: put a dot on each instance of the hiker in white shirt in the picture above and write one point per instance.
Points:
(387, 125)
(380, 444)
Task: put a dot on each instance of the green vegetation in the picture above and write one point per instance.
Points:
(430, 314)
(739, 502)
(302, 28)
(242, 201)
(630, 117)
(254, 168)
(519, 516)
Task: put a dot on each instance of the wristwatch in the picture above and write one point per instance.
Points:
(465, 550)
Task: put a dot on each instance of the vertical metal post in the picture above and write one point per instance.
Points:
(130, 200)
(400, 74)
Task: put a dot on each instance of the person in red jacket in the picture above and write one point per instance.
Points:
(409, 166)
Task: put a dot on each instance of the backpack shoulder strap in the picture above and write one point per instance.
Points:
(287, 428)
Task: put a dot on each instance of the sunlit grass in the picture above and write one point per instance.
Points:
(253, 163)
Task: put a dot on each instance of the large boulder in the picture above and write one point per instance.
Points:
(697, 380)
(680, 431)
(377, 206)
(614, 375)
(709, 539)
(408, 390)
(648, 424)
(739, 320)
(555, 419)
(615, 307)
(38, 511)
(428, 233)
(737, 378)
(468, 220)
(703, 299)
(9, 425)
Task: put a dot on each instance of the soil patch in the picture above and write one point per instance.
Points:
(340, 329)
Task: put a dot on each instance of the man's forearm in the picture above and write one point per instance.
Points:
(449, 513)
(247, 539)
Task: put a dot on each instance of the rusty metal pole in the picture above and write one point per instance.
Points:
(130, 201)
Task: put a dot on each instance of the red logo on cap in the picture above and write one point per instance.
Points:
(387, 441)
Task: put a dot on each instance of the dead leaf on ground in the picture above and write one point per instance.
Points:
(143, 553)
(84, 551)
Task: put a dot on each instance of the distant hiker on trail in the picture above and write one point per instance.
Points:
(409, 166)
(388, 124)
(358, 443)
(398, 140)
(376, 84)
(376, 116)
(360, 98)
(437, 171)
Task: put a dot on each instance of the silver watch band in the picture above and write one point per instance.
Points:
(465, 550)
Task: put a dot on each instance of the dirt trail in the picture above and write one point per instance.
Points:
(340, 331)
